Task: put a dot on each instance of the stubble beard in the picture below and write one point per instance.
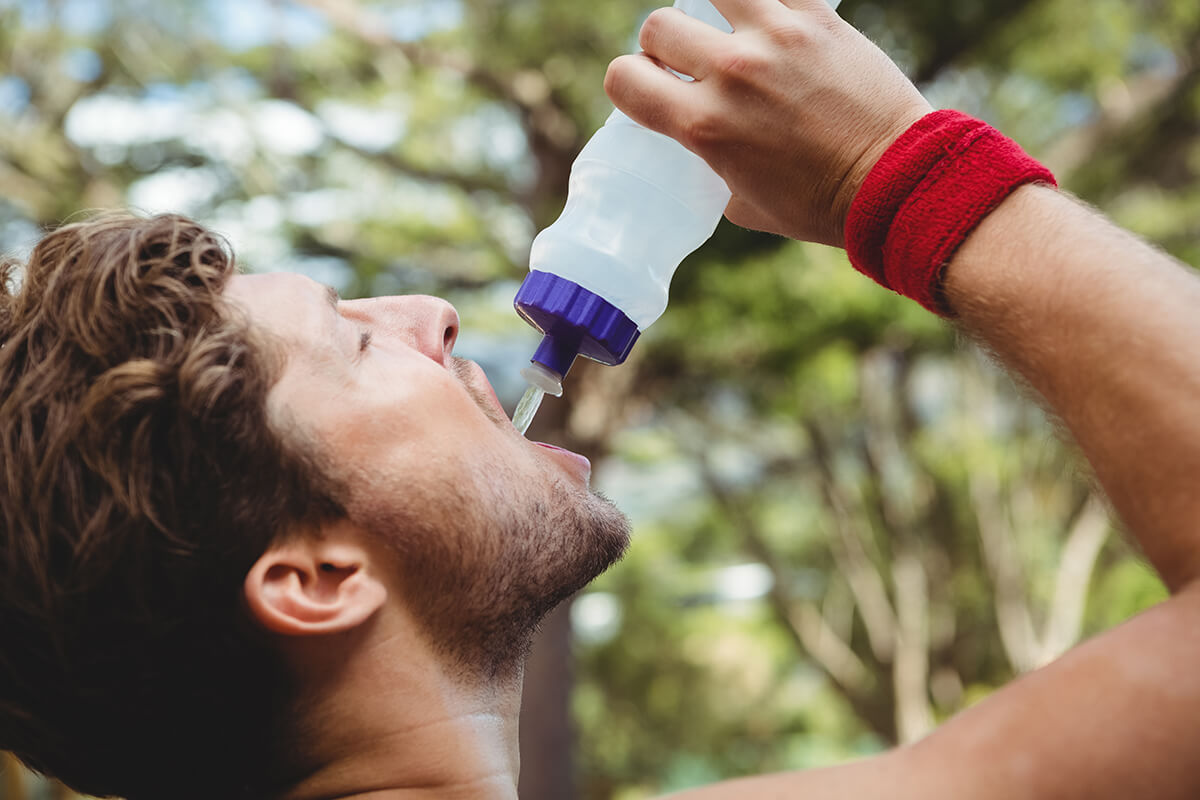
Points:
(481, 567)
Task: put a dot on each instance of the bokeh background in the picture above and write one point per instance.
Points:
(848, 524)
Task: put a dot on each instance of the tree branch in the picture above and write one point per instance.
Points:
(467, 182)
(23, 189)
(1013, 615)
(882, 378)
(802, 619)
(1142, 134)
(553, 137)
(362, 23)
(863, 577)
(819, 639)
(351, 17)
(810, 629)
(1088, 533)
(910, 672)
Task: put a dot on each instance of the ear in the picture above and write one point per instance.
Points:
(313, 587)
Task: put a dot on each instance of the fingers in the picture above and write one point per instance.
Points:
(680, 42)
(648, 94)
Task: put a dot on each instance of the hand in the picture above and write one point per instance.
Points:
(792, 109)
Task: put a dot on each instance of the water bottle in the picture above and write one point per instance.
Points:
(638, 203)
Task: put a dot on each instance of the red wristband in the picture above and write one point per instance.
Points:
(926, 195)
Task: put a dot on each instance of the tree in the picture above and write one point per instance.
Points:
(856, 526)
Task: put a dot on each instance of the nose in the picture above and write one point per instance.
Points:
(428, 324)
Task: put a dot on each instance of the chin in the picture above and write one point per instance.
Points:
(481, 574)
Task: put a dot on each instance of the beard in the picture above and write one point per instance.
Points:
(482, 574)
(482, 561)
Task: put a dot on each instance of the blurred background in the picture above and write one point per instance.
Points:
(848, 524)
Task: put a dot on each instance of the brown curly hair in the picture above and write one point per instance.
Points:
(140, 477)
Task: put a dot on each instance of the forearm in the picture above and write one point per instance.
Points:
(1113, 719)
(1107, 329)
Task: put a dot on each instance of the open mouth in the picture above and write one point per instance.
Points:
(578, 464)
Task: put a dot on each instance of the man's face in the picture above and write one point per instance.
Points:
(488, 531)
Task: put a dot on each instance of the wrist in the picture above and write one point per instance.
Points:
(852, 182)
(924, 196)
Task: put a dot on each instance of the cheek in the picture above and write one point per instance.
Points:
(409, 441)
(444, 485)
(408, 421)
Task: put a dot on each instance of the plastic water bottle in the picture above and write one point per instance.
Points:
(638, 203)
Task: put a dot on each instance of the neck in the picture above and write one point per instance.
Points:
(386, 718)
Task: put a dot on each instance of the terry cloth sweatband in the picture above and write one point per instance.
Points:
(926, 195)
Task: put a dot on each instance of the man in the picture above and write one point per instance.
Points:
(260, 542)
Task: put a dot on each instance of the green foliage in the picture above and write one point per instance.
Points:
(1126, 588)
(788, 437)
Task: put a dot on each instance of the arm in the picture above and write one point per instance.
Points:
(792, 110)
(1114, 719)
(1107, 329)
(795, 113)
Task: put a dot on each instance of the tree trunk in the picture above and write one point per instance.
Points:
(547, 737)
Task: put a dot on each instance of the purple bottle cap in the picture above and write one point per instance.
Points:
(574, 321)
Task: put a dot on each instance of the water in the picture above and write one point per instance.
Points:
(527, 409)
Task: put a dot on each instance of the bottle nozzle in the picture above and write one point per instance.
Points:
(543, 378)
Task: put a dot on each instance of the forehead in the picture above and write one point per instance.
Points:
(292, 307)
(297, 318)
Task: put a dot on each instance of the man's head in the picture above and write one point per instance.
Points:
(181, 448)
(483, 531)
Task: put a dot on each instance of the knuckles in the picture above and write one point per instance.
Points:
(796, 34)
(741, 63)
(755, 59)
(704, 131)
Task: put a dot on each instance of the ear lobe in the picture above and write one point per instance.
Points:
(312, 588)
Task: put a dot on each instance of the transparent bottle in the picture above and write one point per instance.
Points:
(638, 203)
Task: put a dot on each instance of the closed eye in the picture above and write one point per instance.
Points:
(364, 341)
